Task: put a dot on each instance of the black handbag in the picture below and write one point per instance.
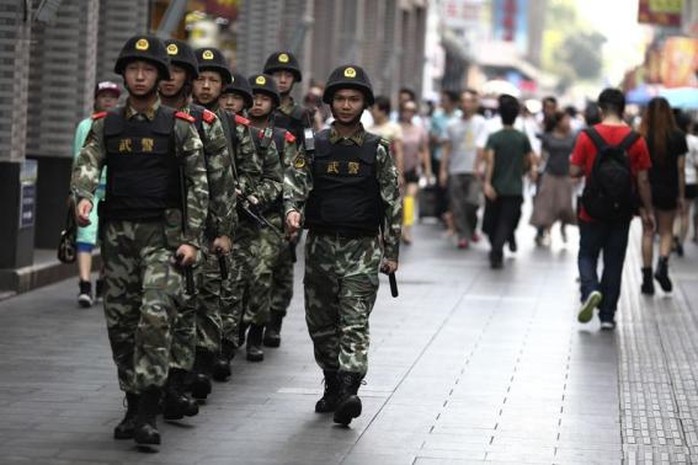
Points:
(67, 250)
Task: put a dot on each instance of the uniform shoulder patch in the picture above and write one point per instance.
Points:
(209, 116)
(299, 162)
(290, 138)
(242, 120)
(185, 116)
(100, 115)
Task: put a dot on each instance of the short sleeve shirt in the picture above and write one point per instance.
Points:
(510, 147)
(584, 153)
(465, 138)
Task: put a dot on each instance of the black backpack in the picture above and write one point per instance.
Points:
(609, 194)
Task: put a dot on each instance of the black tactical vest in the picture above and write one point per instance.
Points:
(346, 196)
(294, 123)
(142, 174)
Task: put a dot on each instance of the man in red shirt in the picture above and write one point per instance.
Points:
(609, 237)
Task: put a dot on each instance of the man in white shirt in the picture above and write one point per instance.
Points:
(463, 153)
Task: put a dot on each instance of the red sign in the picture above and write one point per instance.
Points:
(660, 12)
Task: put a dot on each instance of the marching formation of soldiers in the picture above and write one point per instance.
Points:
(210, 178)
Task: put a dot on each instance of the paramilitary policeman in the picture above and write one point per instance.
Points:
(347, 195)
(283, 65)
(154, 213)
(214, 75)
(289, 115)
(220, 223)
(236, 97)
(275, 263)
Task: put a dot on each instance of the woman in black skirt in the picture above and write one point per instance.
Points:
(667, 146)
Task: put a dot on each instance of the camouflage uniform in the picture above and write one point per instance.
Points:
(249, 169)
(143, 284)
(198, 321)
(341, 277)
(271, 246)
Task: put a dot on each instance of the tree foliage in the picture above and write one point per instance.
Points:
(570, 50)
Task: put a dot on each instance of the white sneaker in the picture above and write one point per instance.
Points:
(586, 313)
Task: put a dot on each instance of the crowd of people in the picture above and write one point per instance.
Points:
(197, 184)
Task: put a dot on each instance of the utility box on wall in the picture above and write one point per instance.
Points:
(18, 181)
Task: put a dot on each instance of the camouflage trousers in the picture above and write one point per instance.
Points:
(282, 280)
(198, 319)
(235, 291)
(266, 272)
(143, 288)
(341, 283)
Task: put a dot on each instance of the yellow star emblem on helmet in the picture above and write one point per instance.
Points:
(207, 55)
(350, 73)
(283, 58)
(142, 44)
(261, 80)
(172, 49)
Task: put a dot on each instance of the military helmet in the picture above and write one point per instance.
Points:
(265, 84)
(239, 86)
(348, 77)
(283, 61)
(212, 59)
(147, 48)
(181, 54)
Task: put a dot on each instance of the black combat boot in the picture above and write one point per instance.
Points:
(201, 374)
(662, 274)
(176, 403)
(349, 405)
(221, 366)
(124, 430)
(330, 398)
(146, 430)
(647, 287)
(272, 333)
(254, 344)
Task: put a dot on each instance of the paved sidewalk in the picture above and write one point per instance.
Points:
(468, 366)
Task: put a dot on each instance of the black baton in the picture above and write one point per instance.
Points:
(189, 276)
(223, 265)
(393, 284)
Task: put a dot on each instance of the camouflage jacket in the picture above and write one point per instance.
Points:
(92, 158)
(222, 216)
(298, 183)
(270, 189)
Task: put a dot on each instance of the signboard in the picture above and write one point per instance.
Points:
(27, 194)
(660, 12)
(679, 62)
(461, 14)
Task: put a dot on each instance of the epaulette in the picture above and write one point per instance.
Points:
(100, 115)
(185, 116)
(209, 116)
(242, 120)
(290, 138)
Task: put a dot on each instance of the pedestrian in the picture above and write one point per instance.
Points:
(604, 221)
(553, 201)
(214, 75)
(416, 162)
(346, 193)
(508, 157)
(462, 156)
(388, 130)
(153, 213)
(272, 282)
(667, 147)
(448, 110)
(691, 178)
(216, 244)
(106, 97)
(283, 66)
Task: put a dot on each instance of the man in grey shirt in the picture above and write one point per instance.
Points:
(463, 154)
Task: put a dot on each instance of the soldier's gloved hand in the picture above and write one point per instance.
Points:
(293, 221)
(186, 255)
(389, 266)
(222, 245)
(82, 212)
